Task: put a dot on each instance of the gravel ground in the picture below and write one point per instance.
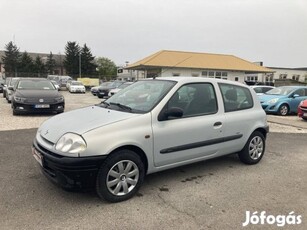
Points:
(289, 124)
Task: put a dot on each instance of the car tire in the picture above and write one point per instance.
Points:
(254, 149)
(15, 113)
(120, 176)
(283, 110)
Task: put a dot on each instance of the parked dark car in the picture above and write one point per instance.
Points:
(8, 89)
(302, 110)
(1, 85)
(103, 91)
(94, 90)
(32, 95)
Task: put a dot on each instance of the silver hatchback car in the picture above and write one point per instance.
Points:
(152, 125)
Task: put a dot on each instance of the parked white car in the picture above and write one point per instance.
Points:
(76, 87)
(152, 125)
(262, 89)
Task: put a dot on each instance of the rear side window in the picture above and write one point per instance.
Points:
(236, 97)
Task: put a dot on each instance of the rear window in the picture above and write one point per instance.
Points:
(236, 97)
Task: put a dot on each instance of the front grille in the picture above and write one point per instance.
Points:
(37, 100)
(304, 109)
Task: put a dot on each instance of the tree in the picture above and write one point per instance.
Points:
(26, 65)
(11, 59)
(39, 66)
(71, 61)
(50, 64)
(87, 61)
(106, 67)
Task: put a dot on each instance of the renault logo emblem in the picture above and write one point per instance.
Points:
(47, 131)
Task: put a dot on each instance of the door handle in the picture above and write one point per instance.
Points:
(217, 123)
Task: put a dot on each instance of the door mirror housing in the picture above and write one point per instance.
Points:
(171, 113)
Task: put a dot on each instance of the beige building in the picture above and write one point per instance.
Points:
(179, 63)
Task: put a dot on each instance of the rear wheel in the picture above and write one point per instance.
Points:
(254, 149)
(120, 176)
(283, 110)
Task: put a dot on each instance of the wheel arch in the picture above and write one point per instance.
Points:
(138, 151)
(263, 131)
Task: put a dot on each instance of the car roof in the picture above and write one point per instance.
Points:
(184, 80)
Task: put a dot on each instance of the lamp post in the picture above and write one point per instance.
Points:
(80, 65)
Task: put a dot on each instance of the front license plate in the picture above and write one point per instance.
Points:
(42, 106)
(37, 156)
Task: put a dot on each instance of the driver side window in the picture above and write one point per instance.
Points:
(195, 99)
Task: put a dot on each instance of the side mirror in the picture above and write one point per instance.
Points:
(173, 112)
(295, 95)
(11, 88)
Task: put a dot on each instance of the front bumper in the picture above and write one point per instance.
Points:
(68, 172)
(77, 90)
(33, 108)
(269, 108)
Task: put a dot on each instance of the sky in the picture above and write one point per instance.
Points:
(271, 31)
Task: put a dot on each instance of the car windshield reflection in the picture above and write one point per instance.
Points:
(140, 97)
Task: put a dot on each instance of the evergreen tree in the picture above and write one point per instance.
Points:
(26, 65)
(71, 61)
(50, 64)
(11, 59)
(39, 66)
(88, 66)
(106, 67)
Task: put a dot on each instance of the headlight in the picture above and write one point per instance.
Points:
(59, 99)
(273, 101)
(19, 99)
(71, 143)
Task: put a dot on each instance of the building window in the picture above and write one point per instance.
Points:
(211, 74)
(224, 74)
(204, 73)
(236, 79)
(195, 74)
(218, 74)
(176, 74)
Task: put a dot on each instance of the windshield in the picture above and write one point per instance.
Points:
(35, 84)
(13, 81)
(140, 97)
(285, 90)
(76, 83)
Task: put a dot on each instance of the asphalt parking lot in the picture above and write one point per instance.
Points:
(213, 194)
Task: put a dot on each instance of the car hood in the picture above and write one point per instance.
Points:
(267, 97)
(37, 93)
(80, 121)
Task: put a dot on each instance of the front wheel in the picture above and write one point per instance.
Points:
(120, 176)
(254, 149)
(283, 110)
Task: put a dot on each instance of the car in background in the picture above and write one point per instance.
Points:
(76, 87)
(124, 85)
(302, 110)
(103, 91)
(261, 89)
(9, 90)
(36, 95)
(94, 90)
(150, 132)
(283, 100)
(68, 83)
(63, 80)
(1, 85)
(6, 82)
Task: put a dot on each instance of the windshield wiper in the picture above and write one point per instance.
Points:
(105, 103)
(125, 107)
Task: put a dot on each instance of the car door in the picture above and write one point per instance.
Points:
(296, 97)
(195, 134)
